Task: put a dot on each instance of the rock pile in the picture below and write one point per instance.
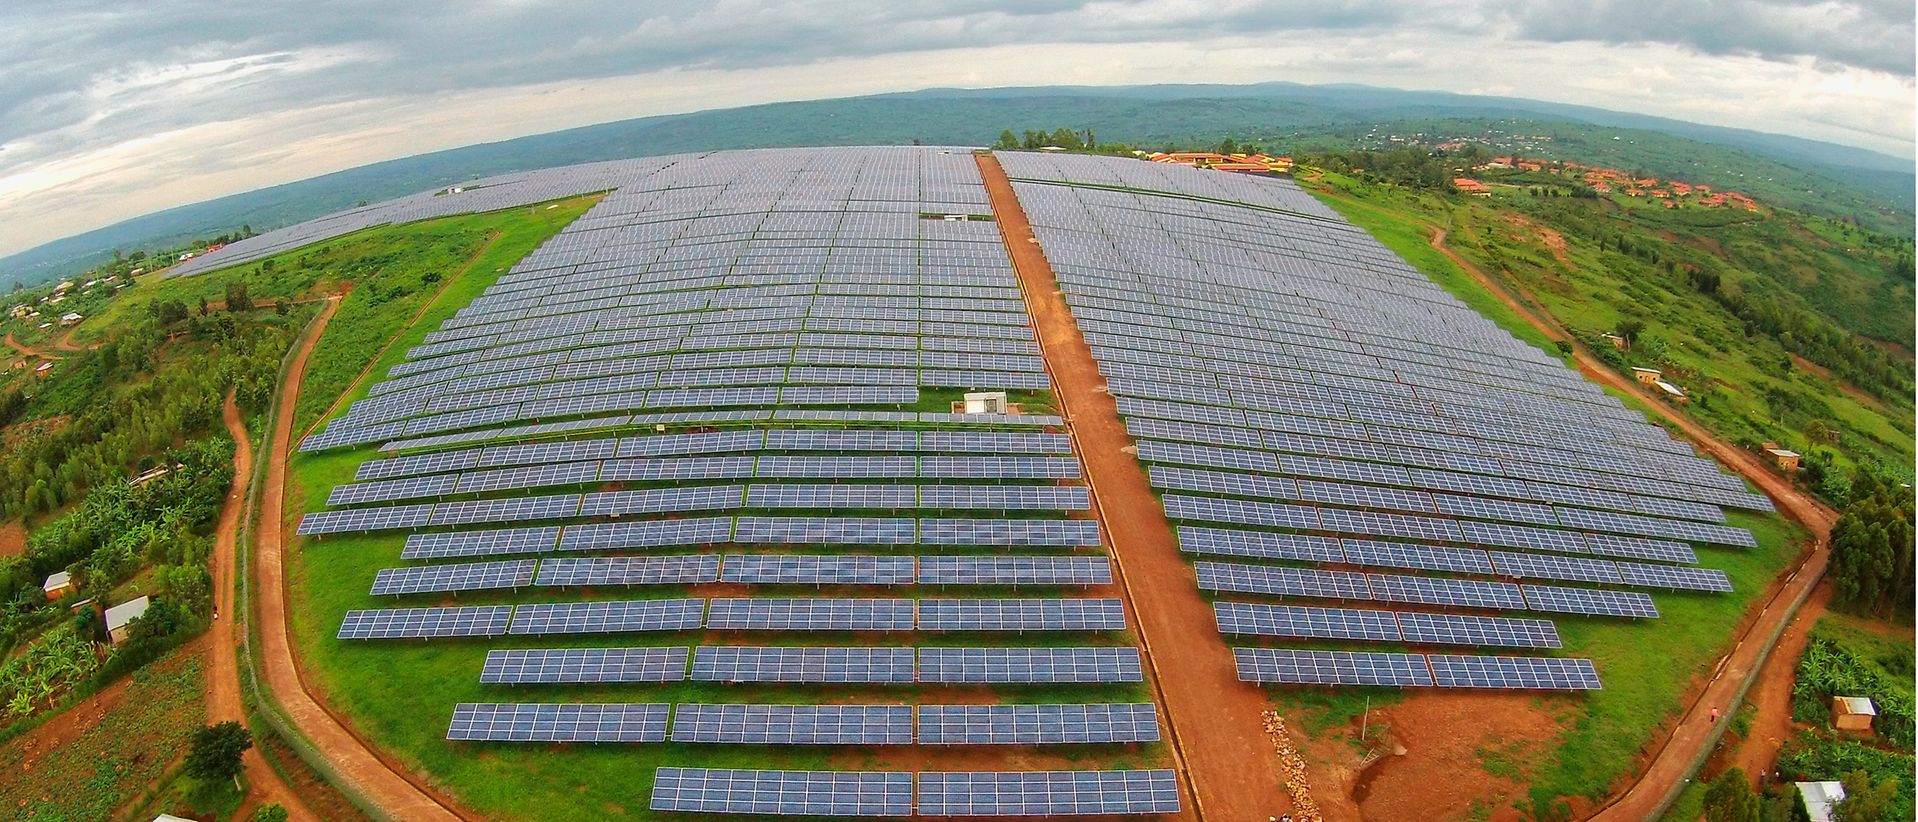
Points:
(1304, 808)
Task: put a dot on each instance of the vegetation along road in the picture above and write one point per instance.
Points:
(394, 792)
(223, 702)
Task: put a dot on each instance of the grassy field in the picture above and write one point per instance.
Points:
(98, 764)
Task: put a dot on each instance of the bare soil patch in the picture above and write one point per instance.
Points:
(13, 538)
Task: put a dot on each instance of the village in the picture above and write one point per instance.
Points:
(1604, 181)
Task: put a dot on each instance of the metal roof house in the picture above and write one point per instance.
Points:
(120, 618)
(1852, 713)
(1819, 797)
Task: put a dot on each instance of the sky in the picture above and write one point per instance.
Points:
(111, 110)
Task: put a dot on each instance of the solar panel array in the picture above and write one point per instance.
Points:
(1296, 667)
(1308, 403)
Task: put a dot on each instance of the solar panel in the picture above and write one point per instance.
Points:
(801, 569)
(1079, 614)
(1421, 557)
(357, 520)
(1590, 601)
(1047, 793)
(736, 663)
(1029, 665)
(471, 576)
(793, 724)
(659, 570)
(608, 617)
(1641, 575)
(422, 623)
(971, 570)
(1517, 673)
(1546, 566)
(824, 531)
(544, 722)
(602, 536)
(1293, 667)
(785, 793)
(516, 509)
(1283, 582)
(1261, 544)
(1460, 629)
(1460, 593)
(815, 614)
(1005, 497)
(584, 665)
(662, 500)
(1048, 724)
(1028, 532)
(841, 496)
(445, 544)
(1298, 622)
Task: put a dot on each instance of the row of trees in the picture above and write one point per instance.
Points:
(1871, 549)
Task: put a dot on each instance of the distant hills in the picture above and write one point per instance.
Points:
(1874, 189)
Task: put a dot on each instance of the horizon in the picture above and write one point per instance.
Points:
(95, 139)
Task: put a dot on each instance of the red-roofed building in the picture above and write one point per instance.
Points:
(1472, 187)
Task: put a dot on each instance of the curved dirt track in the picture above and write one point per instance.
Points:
(223, 701)
(1217, 729)
(1696, 732)
(395, 793)
(26, 351)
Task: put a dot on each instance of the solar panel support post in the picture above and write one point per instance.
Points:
(1365, 719)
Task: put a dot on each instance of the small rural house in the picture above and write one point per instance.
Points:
(58, 584)
(1617, 342)
(1671, 392)
(1646, 376)
(70, 318)
(120, 618)
(1852, 713)
(1819, 797)
(1787, 459)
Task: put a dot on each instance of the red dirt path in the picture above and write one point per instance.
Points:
(223, 701)
(1217, 731)
(389, 787)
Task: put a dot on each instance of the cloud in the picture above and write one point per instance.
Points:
(109, 110)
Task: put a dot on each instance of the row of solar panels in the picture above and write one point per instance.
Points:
(1464, 532)
(1416, 467)
(720, 417)
(1297, 667)
(822, 395)
(1508, 564)
(838, 724)
(731, 442)
(706, 530)
(1453, 593)
(561, 398)
(812, 664)
(1417, 628)
(1505, 517)
(738, 614)
(1335, 458)
(746, 569)
(947, 793)
(680, 469)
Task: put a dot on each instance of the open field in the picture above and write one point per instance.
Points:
(92, 761)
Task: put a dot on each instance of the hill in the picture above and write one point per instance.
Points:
(1870, 188)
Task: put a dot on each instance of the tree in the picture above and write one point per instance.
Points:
(1865, 800)
(1630, 328)
(215, 753)
(237, 298)
(268, 813)
(1871, 548)
(1007, 140)
(1730, 798)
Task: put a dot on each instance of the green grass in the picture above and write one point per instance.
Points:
(1690, 804)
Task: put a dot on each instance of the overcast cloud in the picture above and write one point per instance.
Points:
(111, 110)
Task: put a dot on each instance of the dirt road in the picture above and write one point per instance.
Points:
(396, 794)
(223, 701)
(1217, 729)
(1696, 732)
(29, 352)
